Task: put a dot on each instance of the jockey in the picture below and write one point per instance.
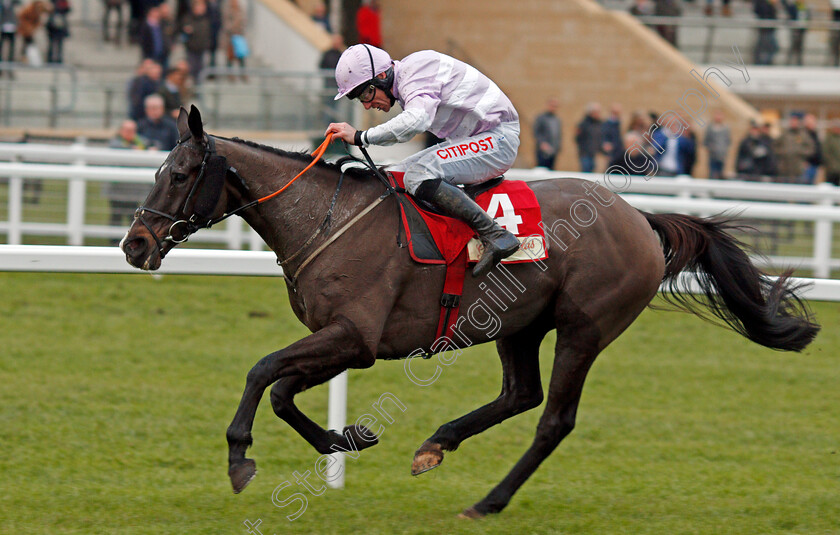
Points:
(453, 101)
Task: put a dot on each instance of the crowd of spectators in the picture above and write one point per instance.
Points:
(796, 12)
(201, 27)
(668, 145)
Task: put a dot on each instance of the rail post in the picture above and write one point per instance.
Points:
(76, 203)
(822, 240)
(15, 236)
(233, 229)
(336, 419)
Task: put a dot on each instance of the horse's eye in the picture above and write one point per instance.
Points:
(179, 178)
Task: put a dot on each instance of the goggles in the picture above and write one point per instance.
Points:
(365, 93)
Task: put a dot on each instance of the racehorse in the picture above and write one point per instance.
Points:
(363, 298)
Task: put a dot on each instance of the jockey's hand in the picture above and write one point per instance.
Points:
(341, 131)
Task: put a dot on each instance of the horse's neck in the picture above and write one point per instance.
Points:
(288, 221)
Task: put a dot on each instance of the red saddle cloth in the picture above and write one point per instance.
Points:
(437, 239)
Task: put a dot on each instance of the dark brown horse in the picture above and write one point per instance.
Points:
(364, 299)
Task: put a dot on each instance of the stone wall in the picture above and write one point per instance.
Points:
(573, 50)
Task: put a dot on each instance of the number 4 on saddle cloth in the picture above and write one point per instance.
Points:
(436, 239)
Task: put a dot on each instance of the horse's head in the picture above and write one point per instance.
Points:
(189, 194)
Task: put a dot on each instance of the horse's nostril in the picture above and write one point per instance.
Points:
(134, 247)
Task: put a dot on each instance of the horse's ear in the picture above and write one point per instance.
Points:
(194, 121)
(182, 122)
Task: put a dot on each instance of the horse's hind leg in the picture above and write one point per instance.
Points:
(521, 391)
(577, 347)
(335, 347)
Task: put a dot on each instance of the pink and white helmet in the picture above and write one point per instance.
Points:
(359, 64)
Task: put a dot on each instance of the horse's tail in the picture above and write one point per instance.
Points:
(768, 312)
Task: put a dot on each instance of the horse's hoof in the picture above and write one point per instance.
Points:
(362, 436)
(470, 513)
(428, 456)
(241, 474)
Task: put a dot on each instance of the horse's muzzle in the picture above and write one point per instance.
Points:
(139, 254)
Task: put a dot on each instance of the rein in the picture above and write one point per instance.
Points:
(344, 228)
(192, 224)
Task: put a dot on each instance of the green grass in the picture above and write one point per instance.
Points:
(116, 392)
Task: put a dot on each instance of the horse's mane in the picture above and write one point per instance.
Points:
(305, 157)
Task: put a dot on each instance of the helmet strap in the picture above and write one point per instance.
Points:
(384, 84)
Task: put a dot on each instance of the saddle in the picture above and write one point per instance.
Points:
(433, 238)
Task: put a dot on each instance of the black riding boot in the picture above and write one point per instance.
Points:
(451, 201)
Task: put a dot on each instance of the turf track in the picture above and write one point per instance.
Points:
(116, 392)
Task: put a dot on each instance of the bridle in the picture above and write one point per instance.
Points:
(203, 208)
(190, 224)
(197, 221)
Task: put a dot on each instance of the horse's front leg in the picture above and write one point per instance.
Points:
(355, 437)
(337, 346)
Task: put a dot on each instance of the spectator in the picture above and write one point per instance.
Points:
(124, 197)
(717, 141)
(725, 9)
(171, 89)
(170, 29)
(548, 134)
(214, 11)
(792, 150)
(29, 20)
(809, 122)
(611, 143)
(160, 129)
(233, 25)
(638, 127)
(182, 9)
(639, 123)
(831, 153)
(368, 24)
(678, 151)
(112, 6)
(321, 18)
(144, 83)
(8, 29)
(57, 31)
(642, 8)
(768, 139)
(834, 38)
(136, 13)
(329, 60)
(152, 39)
(797, 12)
(197, 27)
(667, 8)
(755, 159)
(635, 161)
(127, 137)
(766, 45)
(690, 150)
(588, 137)
(187, 83)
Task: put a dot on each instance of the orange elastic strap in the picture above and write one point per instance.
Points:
(316, 155)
